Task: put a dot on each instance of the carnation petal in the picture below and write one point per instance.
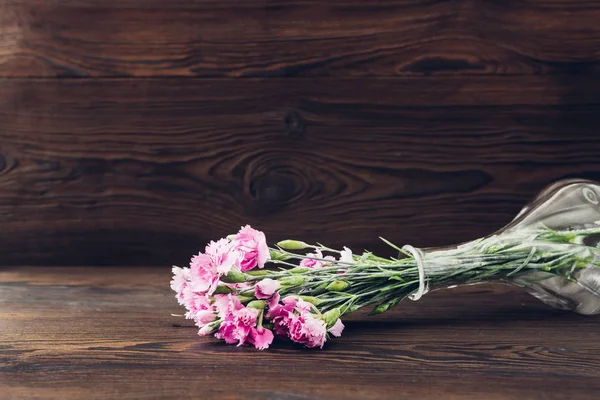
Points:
(180, 278)
(337, 328)
(274, 301)
(346, 256)
(265, 288)
(263, 250)
(261, 337)
(310, 262)
(204, 317)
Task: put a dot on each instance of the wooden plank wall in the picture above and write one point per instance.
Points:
(133, 131)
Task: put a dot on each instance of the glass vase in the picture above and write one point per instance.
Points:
(565, 206)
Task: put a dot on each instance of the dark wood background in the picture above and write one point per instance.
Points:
(133, 131)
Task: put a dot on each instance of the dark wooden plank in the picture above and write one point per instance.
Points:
(147, 171)
(74, 333)
(297, 37)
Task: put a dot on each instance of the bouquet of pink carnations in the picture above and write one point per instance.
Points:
(228, 292)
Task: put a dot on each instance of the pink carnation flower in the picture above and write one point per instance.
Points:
(239, 323)
(265, 288)
(295, 320)
(223, 255)
(238, 326)
(204, 276)
(207, 268)
(202, 311)
(312, 263)
(195, 302)
(227, 304)
(308, 330)
(252, 245)
(237, 320)
(280, 314)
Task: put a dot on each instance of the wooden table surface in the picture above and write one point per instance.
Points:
(85, 333)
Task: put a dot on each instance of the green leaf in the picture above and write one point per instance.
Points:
(392, 245)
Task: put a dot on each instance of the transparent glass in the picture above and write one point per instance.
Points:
(564, 205)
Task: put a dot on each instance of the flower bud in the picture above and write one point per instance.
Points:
(331, 316)
(209, 328)
(380, 308)
(338, 286)
(291, 281)
(322, 288)
(383, 307)
(257, 304)
(312, 300)
(293, 245)
(277, 255)
(234, 277)
(222, 289)
(299, 270)
(245, 299)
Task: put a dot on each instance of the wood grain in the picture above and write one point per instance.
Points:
(258, 38)
(127, 172)
(75, 333)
